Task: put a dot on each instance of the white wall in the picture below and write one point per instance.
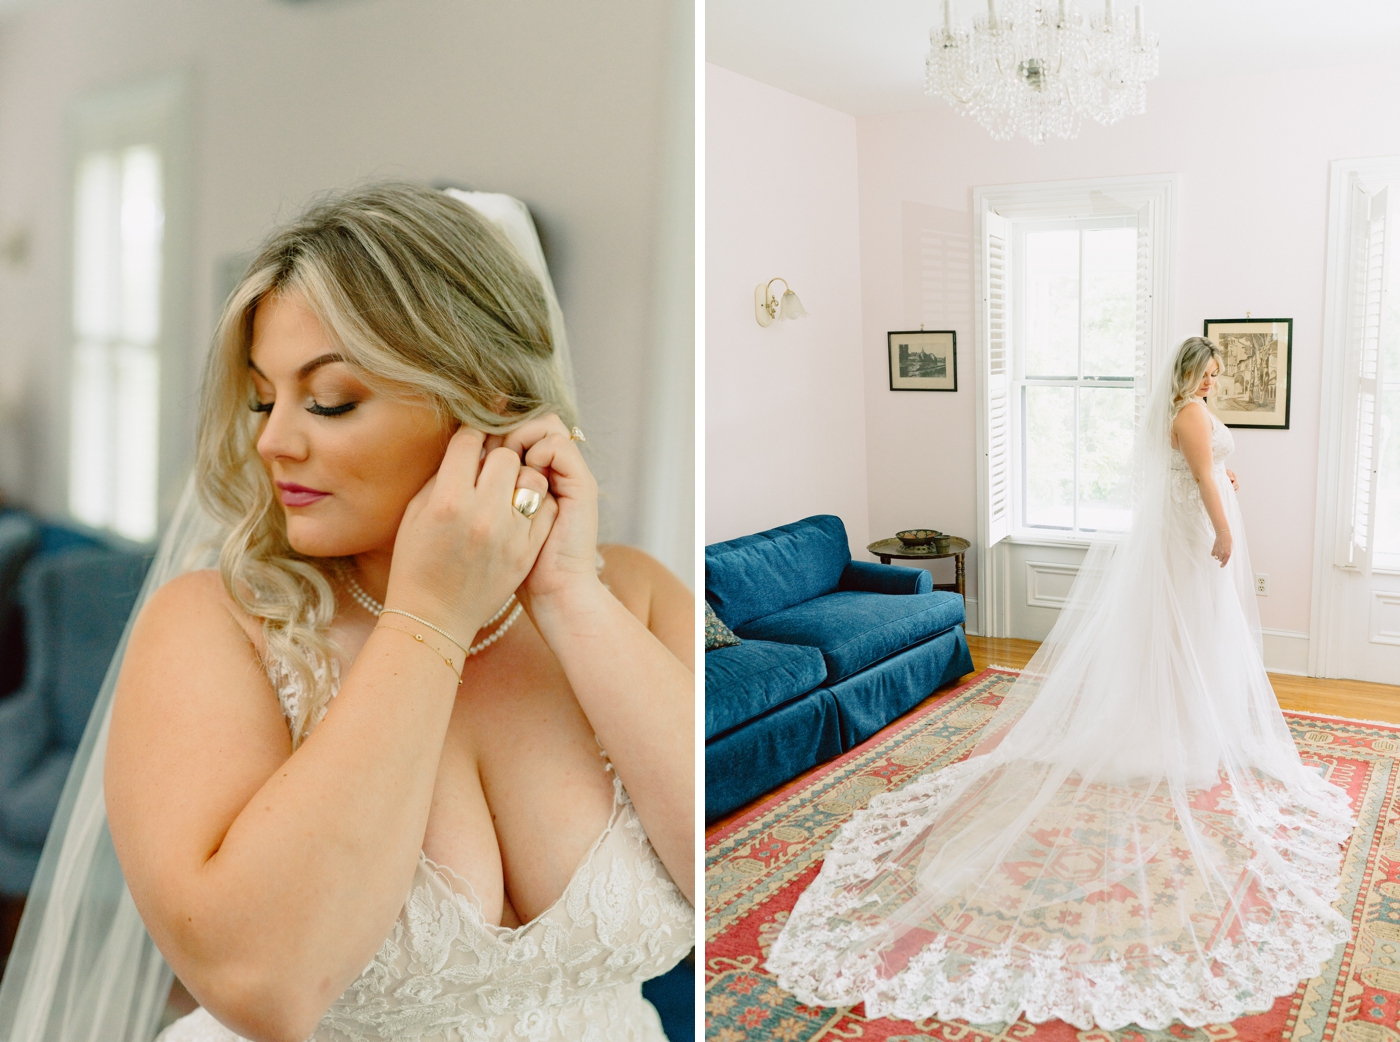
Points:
(785, 406)
(1253, 155)
(558, 103)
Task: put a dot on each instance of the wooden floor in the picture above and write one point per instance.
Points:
(1350, 698)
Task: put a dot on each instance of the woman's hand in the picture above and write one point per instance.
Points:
(462, 549)
(1234, 481)
(1224, 543)
(568, 560)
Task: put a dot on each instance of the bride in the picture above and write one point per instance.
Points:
(414, 761)
(1136, 839)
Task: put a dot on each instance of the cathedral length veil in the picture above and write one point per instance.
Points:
(83, 968)
(1134, 840)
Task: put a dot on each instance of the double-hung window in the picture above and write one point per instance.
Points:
(1074, 359)
(1073, 282)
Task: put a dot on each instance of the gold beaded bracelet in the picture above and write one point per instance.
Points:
(436, 651)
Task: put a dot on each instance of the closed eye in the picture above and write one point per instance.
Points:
(330, 410)
(314, 408)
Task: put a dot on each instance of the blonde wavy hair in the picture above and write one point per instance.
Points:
(427, 300)
(1192, 359)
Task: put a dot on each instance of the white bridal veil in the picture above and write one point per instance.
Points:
(83, 968)
(1134, 840)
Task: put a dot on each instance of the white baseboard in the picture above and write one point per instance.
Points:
(1286, 651)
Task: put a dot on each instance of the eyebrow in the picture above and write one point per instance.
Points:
(306, 370)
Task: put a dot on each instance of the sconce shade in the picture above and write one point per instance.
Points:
(792, 307)
(768, 306)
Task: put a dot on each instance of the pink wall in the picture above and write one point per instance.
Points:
(1253, 155)
(785, 406)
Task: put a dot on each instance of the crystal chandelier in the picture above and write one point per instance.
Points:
(1037, 67)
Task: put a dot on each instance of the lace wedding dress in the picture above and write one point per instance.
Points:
(1135, 840)
(574, 972)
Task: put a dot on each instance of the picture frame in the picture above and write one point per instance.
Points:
(923, 360)
(1255, 387)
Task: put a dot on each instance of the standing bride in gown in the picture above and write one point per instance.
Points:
(1135, 839)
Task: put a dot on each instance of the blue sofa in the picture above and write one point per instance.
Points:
(832, 650)
(75, 594)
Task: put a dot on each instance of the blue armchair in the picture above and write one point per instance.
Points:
(75, 606)
(832, 650)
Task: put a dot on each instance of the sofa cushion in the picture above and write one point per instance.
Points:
(76, 605)
(27, 807)
(874, 697)
(779, 745)
(756, 575)
(855, 630)
(748, 679)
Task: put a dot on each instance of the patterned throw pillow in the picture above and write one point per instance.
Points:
(717, 634)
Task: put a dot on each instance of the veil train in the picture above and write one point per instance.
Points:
(1134, 840)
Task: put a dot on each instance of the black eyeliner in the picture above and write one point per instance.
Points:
(330, 410)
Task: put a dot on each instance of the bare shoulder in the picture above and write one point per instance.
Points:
(632, 573)
(652, 592)
(192, 666)
(1192, 416)
(1191, 424)
(194, 598)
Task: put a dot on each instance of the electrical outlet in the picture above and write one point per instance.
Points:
(1261, 584)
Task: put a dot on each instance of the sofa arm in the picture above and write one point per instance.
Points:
(885, 578)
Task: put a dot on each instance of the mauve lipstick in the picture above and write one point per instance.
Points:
(294, 495)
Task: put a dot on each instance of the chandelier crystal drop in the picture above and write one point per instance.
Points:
(1039, 67)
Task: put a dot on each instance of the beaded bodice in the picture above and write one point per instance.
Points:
(574, 972)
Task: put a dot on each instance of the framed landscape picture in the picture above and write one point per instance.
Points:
(924, 360)
(1256, 378)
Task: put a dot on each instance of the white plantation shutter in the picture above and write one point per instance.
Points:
(1366, 285)
(1142, 348)
(995, 371)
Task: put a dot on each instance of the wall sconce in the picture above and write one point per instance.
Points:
(768, 306)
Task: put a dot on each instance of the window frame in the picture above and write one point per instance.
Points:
(1336, 441)
(155, 112)
(1152, 200)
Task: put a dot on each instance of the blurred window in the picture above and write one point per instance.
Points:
(119, 219)
(1075, 356)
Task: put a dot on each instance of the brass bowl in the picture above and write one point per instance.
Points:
(917, 536)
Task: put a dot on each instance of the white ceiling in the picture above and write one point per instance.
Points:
(867, 56)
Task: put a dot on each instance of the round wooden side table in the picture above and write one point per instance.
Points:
(885, 549)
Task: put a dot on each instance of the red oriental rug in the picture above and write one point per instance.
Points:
(758, 865)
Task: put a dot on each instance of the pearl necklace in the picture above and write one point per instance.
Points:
(376, 608)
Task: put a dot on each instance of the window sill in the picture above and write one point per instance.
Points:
(1030, 537)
